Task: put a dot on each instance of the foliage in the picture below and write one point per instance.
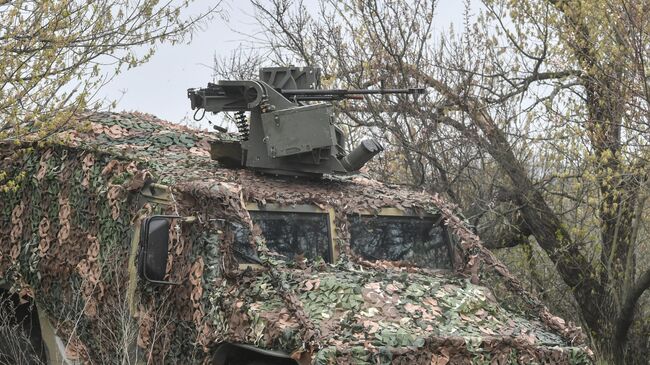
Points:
(56, 54)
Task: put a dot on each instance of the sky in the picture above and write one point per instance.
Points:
(159, 87)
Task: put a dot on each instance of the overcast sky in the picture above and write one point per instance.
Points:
(159, 87)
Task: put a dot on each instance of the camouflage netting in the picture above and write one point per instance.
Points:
(66, 234)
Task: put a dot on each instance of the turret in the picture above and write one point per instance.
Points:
(281, 134)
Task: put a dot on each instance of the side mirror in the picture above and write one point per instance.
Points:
(154, 243)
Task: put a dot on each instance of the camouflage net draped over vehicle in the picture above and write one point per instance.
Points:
(65, 238)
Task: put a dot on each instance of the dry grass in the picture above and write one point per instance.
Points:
(16, 346)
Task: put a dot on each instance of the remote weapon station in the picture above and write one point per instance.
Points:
(283, 134)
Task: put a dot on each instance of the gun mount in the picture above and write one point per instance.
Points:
(282, 135)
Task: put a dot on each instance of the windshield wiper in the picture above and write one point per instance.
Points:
(248, 257)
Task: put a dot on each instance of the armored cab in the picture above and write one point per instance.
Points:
(128, 242)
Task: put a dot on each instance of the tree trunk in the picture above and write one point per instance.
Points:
(595, 301)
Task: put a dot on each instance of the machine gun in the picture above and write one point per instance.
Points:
(282, 135)
(340, 94)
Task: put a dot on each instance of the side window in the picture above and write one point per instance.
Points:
(421, 241)
(291, 233)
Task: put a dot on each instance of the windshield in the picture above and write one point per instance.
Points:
(289, 234)
(421, 241)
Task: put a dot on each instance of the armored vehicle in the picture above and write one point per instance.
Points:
(127, 242)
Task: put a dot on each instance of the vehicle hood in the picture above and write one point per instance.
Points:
(355, 314)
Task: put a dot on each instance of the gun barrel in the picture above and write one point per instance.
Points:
(344, 92)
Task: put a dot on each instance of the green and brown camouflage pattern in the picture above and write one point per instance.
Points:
(66, 233)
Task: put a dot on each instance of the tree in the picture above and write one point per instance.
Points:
(538, 114)
(54, 55)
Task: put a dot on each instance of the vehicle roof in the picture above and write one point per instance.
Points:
(178, 155)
